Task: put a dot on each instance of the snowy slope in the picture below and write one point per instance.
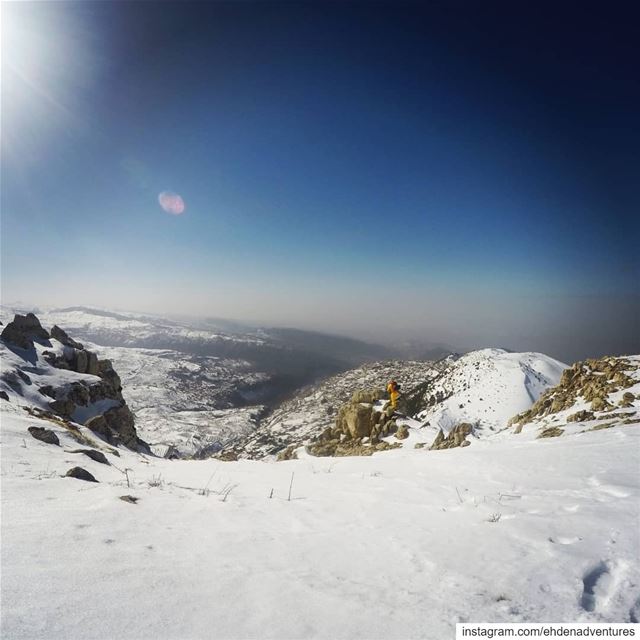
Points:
(487, 387)
(401, 545)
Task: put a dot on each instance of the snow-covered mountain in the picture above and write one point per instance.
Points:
(485, 388)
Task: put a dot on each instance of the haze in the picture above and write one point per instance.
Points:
(464, 175)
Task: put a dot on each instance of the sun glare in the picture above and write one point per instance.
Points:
(44, 66)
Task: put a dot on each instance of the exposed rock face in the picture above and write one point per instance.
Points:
(23, 330)
(103, 393)
(593, 380)
(80, 474)
(358, 429)
(457, 437)
(45, 435)
(61, 336)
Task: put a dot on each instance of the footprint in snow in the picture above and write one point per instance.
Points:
(600, 584)
(565, 539)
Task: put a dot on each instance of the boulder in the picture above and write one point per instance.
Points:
(121, 421)
(4, 395)
(627, 400)
(402, 432)
(44, 435)
(80, 474)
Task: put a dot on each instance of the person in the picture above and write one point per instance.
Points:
(393, 389)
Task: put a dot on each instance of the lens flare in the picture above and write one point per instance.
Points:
(172, 203)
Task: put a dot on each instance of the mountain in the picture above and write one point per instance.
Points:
(484, 388)
(513, 528)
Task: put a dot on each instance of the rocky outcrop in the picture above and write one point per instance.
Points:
(358, 430)
(61, 336)
(457, 437)
(101, 393)
(592, 380)
(23, 330)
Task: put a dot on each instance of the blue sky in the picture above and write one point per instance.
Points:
(455, 161)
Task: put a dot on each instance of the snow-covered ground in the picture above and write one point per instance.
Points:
(488, 387)
(403, 544)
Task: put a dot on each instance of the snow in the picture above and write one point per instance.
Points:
(488, 387)
(400, 545)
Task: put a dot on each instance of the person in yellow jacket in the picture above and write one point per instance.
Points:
(393, 389)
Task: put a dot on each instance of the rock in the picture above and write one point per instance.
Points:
(287, 454)
(4, 395)
(98, 456)
(78, 393)
(130, 499)
(551, 432)
(92, 364)
(48, 391)
(419, 445)
(593, 379)
(356, 420)
(121, 421)
(172, 453)
(45, 435)
(23, 330)
(580, 416)
(80, 474)
(99, 426)
(368, 396)
(402, 432)
(456, 437)
(627, 400)
(82, 361)
(61, 336)
(24, 377)
(227, 456)
(63, 407)
(601, 404)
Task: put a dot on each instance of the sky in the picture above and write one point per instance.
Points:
(455, 172)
